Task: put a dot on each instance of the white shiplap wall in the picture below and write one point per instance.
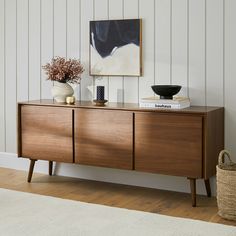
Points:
(186, 42)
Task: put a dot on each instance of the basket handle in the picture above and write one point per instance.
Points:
(221, 159)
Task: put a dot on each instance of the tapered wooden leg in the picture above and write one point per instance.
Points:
(193, 190)
(50, 167)
(208, 187)
(31, 169)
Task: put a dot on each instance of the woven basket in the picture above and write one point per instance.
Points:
(226, 186)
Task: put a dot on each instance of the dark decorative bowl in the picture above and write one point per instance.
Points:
(166, 91)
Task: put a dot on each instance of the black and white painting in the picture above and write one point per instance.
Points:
(115, 47)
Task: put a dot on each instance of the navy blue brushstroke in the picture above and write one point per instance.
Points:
(109, 34)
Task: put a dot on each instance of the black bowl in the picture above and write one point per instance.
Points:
(166, 91)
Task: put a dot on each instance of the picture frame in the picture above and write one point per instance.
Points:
(115, 47)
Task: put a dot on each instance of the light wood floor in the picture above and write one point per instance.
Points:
(137, 198)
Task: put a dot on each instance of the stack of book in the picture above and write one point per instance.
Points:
(156, 102)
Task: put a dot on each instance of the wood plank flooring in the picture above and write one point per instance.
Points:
(130, 197)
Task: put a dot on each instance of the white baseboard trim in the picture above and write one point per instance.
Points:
(172, 183)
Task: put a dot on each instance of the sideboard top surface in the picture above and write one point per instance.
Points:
(119, 106)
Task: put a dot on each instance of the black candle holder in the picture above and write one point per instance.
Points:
(100, 101)
(100, 92)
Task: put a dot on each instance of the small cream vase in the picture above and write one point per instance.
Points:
(60, 91)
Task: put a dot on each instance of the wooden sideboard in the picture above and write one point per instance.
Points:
(182, 142)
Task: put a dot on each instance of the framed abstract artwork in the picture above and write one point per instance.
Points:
(116, 47)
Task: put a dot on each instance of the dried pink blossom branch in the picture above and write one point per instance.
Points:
(63, 70)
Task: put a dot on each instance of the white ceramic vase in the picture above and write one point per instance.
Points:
(60, 91)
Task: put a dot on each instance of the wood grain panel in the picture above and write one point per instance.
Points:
(104, 138)
(46, 133)
(168, 144)
(214, 141)
(199, 110)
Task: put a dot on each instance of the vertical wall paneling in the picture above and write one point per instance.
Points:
(2, 79)
(101, 13)
(186, 42)
(214, 52)
(73, 35)
(46, 44)
(131, 84)
(60, 28)
(116, 90)
(86, 16)
(22, 51)
(34, 50)
(146, 13)
(162, 42)
(73, 29)
(180, 45)
(230, 75)
(197, 52)
(10, 75)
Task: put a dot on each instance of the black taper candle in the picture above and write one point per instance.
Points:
(100, 92)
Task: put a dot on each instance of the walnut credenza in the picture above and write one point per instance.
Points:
(182, 142)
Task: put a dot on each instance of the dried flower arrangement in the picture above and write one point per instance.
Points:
(62, 70)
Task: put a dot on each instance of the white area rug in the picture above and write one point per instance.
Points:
(32, 214)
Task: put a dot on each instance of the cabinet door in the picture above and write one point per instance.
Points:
(168, 144)
(104, 138)
(46, 133)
